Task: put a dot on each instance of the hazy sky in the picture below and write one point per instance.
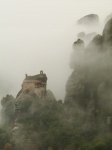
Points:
(38, 35)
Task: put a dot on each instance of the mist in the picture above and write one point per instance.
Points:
(38, 35)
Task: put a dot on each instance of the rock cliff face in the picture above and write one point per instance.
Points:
(75, 88)
(32, 95)
(7, 112)
(91, 27)
(77, 55)
(96, 45)
(28, 103)
(81, 35)
(86, 37)
(90, 36)
(89, 20)
(90, 83)
(108, 18)
(107, 35)
(75, 83)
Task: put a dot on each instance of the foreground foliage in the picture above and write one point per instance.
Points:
(57, 127)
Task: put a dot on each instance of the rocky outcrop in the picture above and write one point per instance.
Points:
(32, 95)
(31, 102)
(75, 83)
(108, 18)
(107, 35)
(25, 104)
(90, 36)
(7, 112)
(75, 88)
(86, 37)
(28, 103)
(91, 83)
(89, 20)
(77, 54)
(93, 75)
(81, 35)
(95, 45)
(105, 87)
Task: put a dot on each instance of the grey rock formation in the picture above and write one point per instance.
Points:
(95, 45)
(49, 96)
(33, 94)
(75, 83)
(75, 88)
(7, 112)
(90, 36)
(99, 74)
(107, 35)
(94, 74)
(108, 18)
(89, 20)
(77, 55)
(25, 104)
(90, 85)
(86, 37)
(81, 35)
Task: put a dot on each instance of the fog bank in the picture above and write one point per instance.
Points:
(38, 35)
